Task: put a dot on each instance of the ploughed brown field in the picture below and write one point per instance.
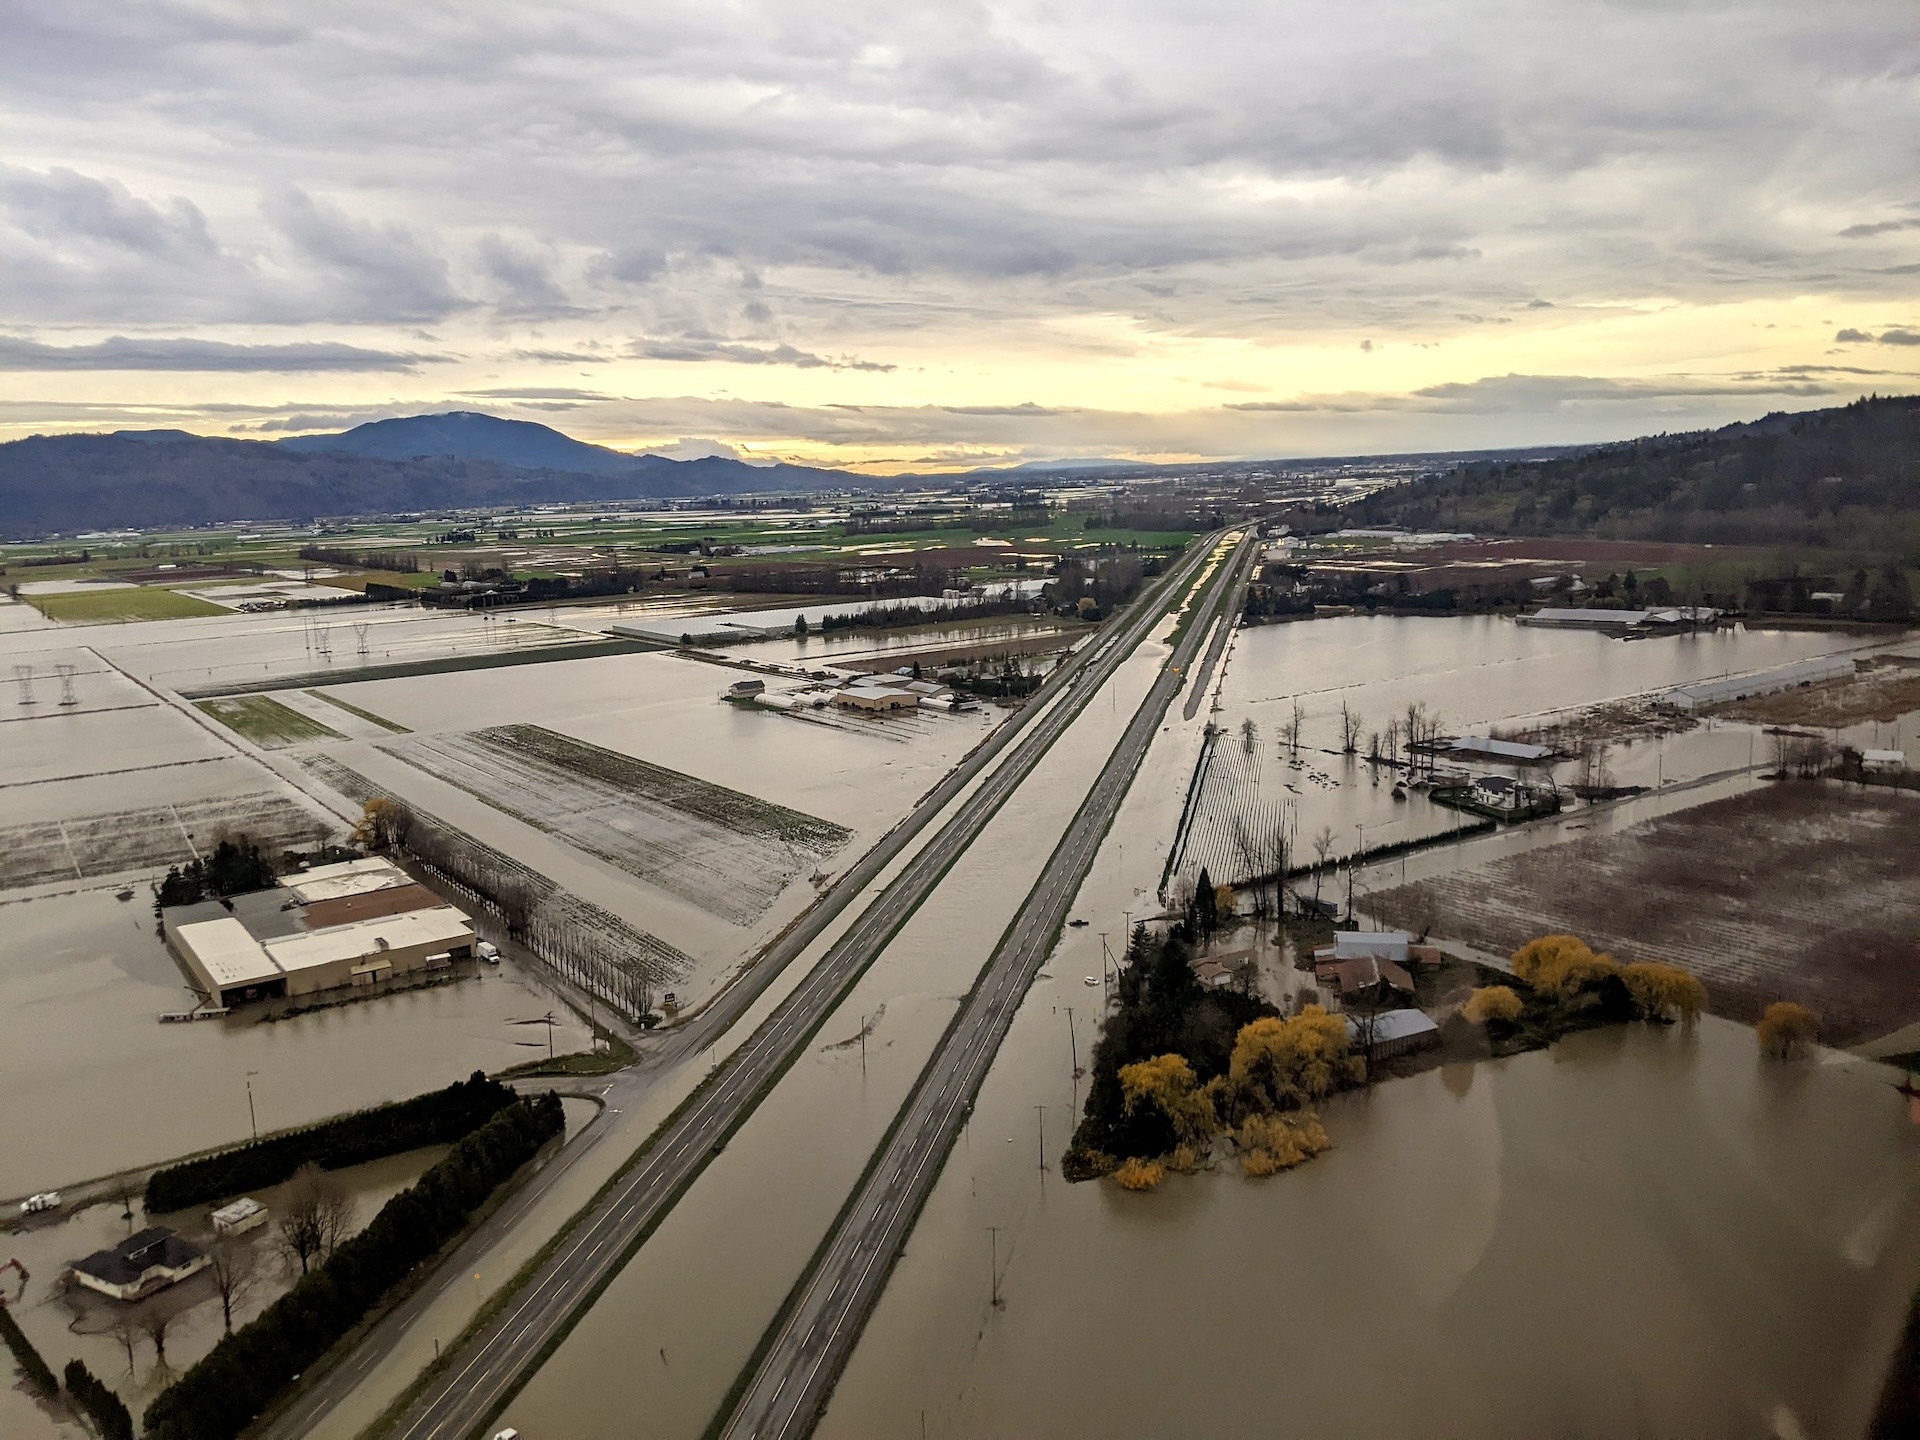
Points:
(1803, 890)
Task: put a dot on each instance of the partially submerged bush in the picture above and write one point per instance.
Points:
(1137, 1174)
(1662, 992)
(1271, 1143)
(1493, 1005)
(1786, 1029)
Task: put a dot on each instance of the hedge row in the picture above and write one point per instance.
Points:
(108, 1411)
(437, 1118)
(38, 1371)
(220, 1396)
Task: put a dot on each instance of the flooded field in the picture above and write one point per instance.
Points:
(91, 1082)
(69, 1322)
(729, 853)
(1740, 891)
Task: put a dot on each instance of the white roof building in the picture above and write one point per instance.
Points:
(350, 877)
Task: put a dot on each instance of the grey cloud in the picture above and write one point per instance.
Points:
(521, 392)
(122, 353)
(1896, 336)
(528, 289)
(1880, 227)
(67, 207)
(734, 352)
(384, 272)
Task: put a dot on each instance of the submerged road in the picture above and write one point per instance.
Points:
(793, 1374)
(484, 1374)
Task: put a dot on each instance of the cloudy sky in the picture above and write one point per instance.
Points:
(896, 235)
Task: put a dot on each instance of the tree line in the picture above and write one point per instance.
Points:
(221, 1395)
(439, 1117)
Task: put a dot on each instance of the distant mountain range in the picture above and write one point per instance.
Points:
(152, 479)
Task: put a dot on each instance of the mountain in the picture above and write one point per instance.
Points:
(1846, 478)
(468, 435)
(156, 479)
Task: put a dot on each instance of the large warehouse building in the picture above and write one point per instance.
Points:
(335, 926)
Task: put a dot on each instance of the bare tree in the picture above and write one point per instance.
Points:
(1349, 728)
(1373, 744)
(1393, 741)
(1249, 735)
(234, 1265)
(315, 1216)
(1322, 847)
(155, 1318)
(1290, 731)
(125, 1327)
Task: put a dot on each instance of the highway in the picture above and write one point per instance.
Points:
(794, 1371)
(480, 1378)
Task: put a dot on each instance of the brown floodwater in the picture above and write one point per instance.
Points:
(92, 1083)
(1639, 1232)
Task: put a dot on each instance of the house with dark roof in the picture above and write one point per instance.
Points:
(142, 1263)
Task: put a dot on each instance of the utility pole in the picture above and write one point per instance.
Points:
(1043, 1142)
(993, 1259)
(863, 1047)
(1073, 1043)
(252, 1120)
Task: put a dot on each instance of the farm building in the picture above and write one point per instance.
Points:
(1622, 622)
(1396, 1032)
(242, 1215)
(879, 698)
(1883, 762)
(1485, 747)
(1766, 682)
(140, 1264)
(351, 925)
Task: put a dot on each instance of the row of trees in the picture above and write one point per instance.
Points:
(439, 1117)
(595, 950)
(108, 1412)
(221, 1395)
(38, 1372)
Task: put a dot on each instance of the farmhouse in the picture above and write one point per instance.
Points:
(140, 1264)
(337, 926)
(1883, 762)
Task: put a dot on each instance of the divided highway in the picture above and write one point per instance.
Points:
(808, 1346)
(497, 1360)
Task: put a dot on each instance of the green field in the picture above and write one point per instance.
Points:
(266, 722)
(104, 606)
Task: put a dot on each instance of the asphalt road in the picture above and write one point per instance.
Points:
(486, 1372)
(809, 1345)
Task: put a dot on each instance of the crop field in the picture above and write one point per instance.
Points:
(574, 935)
(105, 606)
(1799, 891)
(121, 841)
(266, 722)
(728, 853)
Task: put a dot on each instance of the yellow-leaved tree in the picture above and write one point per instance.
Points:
(1786, 1029)
(1138, 1174)
(1561, 965)
(1496, 1004)
(1167, 1083)
(1282, 1063)
(1270, 1143)
(1661, 991)
(382, 823)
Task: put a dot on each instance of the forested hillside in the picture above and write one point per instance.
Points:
(1846, 479)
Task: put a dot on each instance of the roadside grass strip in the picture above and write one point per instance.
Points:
(728, 853)
(367, 715)
(266, 722)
